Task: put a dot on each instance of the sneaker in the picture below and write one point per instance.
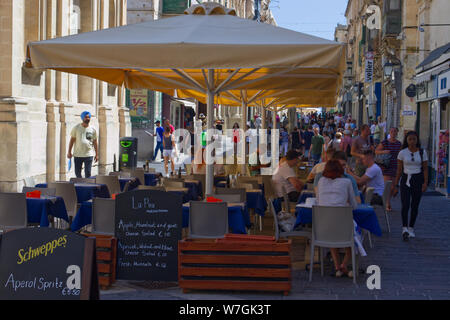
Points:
(339, 273)
(411, 232)
(405, 234)
(350, 274)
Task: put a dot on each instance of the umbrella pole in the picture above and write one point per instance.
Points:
(273, 135)
(244, 127)
(210, 122)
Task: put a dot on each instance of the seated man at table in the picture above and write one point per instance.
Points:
(284, 177)
(336, 191)
(373, 177)
(342, 158)
(318, 168)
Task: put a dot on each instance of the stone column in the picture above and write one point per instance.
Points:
(53, 122)
(88, 23)
(66, 111)
(12, 110)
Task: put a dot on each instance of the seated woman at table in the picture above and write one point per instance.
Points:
(342, 158)
(335, 191)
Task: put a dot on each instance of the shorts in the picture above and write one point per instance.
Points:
(167, 153)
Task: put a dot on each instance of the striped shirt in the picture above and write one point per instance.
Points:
(394, 148)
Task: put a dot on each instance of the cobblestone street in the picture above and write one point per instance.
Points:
(418, 269)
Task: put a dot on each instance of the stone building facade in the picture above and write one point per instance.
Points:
(39, 108)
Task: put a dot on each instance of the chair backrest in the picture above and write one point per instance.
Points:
(286, 201)
(112, 182)
(13, 211)
(121, 174)
(332, 225)
(275, 219)
(44, 191)
(159, 188)
(82, 180)
(202, 179)
(246, 186)
(230, 169)
(368, 195)
(229, 198)
(29, 182)
(240, 191)
(140, 174)
(152, 170)
(173, 183)
(386, 192)
(248, 180)
(66, 190)
(269, 190)
(103, 215)
(127, 186)
(208, 220)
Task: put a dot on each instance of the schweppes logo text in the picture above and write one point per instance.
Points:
(47, 248)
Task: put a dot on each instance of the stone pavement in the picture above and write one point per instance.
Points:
(418, 269)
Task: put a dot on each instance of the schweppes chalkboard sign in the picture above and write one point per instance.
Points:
(47, 264)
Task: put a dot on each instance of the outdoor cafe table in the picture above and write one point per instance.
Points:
(364, 216)
(195, 188)
(219, 179)
(256, 200)
(238, 217)
(151, 179)
(83, 216)
(38, 209)
(181, 191)
(87, 191)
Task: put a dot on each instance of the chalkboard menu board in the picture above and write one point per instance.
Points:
(148, 227)
(47, 264)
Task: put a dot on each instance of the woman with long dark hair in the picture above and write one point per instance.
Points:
(412, 172)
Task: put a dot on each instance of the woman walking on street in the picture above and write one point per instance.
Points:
(168, 150)
(390, 147)
(413, 171)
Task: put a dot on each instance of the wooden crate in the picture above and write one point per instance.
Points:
(106, 248)
(234, 264)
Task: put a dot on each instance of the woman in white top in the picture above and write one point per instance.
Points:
(412, 172)
(335, 190)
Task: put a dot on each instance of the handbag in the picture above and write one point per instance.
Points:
(383, 159)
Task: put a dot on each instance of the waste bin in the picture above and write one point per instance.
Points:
(128, 153)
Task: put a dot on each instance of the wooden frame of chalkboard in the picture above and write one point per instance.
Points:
(47, 264)
(148, 227)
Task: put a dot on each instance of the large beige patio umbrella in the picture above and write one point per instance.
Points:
(208, 50)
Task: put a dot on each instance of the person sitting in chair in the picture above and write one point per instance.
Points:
(285, 177)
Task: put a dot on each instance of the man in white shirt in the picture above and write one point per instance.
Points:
(373, 177)
(285, 178)
(84, 138)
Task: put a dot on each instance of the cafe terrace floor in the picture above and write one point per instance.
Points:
(418, 269)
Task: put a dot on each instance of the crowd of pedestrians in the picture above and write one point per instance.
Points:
(368, 156)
